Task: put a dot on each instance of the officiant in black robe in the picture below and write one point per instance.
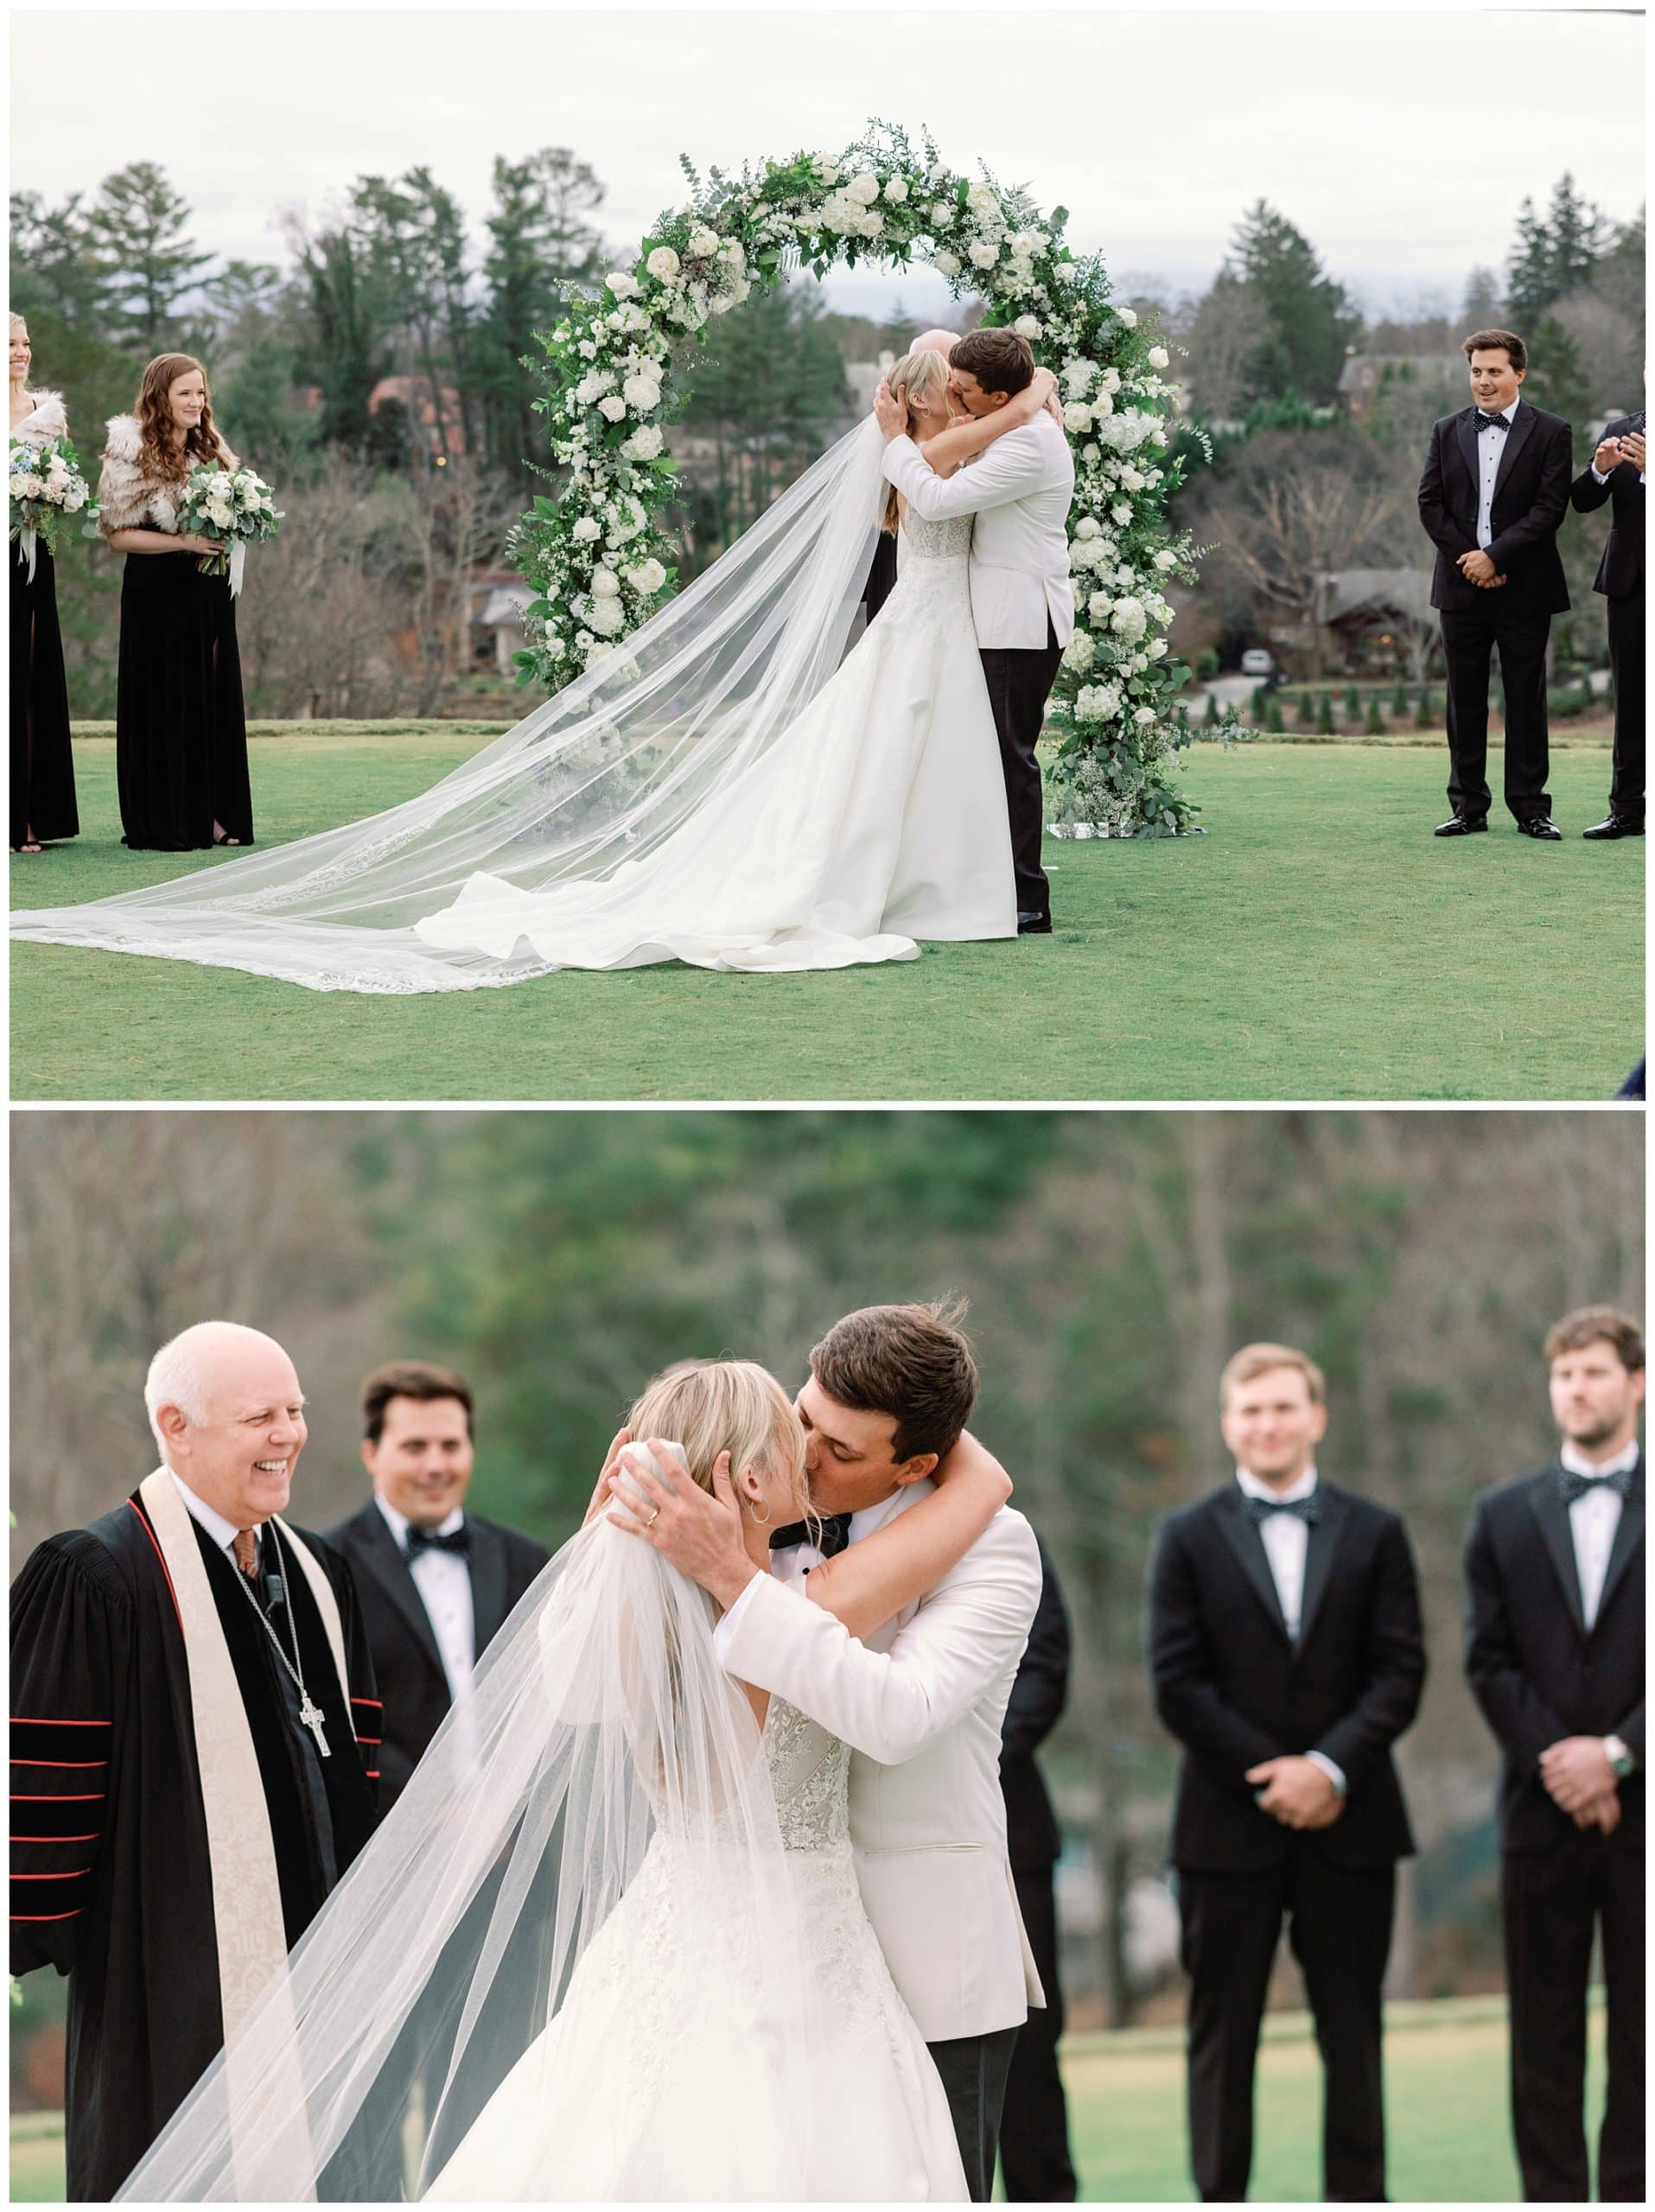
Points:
(113, 1878)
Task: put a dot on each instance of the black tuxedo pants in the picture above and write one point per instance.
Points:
(1549, 1902)
(1470, 635)
(1035, 2133)
(881, 575)
(1339, 1921)
(974, 2070)
(1627, 666)
(1020, 683)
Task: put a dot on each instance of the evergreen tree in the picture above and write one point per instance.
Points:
(1212, 716)
(1556, 379)
(1312, 320)
(146, 266)
(1399, 701)
(1307, 710)
(350, 352)
(1273, 721)
(1374, 724)
(541, 239)
(1325, 715)
(1352, 704)
(53, 265)
(1528, 267)
(1483, 305)
(1425, 712)
(1578, 235)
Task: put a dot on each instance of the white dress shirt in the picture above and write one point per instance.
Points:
(1491, 446)
(1592, 1521)
(1286, 1539)
(792, 1563)
(223, 1532)
(443, 1581)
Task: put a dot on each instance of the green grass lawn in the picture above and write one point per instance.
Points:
(1317, 942)
(1445, 2091)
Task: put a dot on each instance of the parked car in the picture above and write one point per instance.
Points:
(1256, 661)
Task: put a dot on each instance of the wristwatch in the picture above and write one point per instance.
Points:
(1621, 1759)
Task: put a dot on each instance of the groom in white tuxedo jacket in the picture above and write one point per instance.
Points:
(1023, 606)
(920, 1700)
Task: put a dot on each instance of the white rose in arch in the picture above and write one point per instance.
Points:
(704, 242)
(1101, 606)
(896, 191)
(946, 264)
(1127, 316)
(663, 265)
(1144, 716)
(827, 171)
(612, 407)
(647, 577)
(1160, 358)
(943, 211)
(981, 200)
(1087, 527)
(642, 393)
(1077, 417)
(984, 256)
(622, 283)
(1067, 272)
(585, 530)
(1027, 325)
(607, 616)
(1080, 651)
(872, 225)
(863, 189)
(605, 584)
(1158, 649)
(644, 444)
(1165, 561)
(1102, 407)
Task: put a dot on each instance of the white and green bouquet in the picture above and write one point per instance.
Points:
(44, 487)
(233, 506)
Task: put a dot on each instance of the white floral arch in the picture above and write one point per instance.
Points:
(601, 562)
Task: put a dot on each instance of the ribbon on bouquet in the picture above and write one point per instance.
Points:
(237, 563)
(27, 539)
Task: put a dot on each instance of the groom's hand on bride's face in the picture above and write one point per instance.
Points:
(701, 1535)
(893, 415)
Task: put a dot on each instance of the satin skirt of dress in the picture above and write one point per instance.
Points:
(659, 2079)
(877, 820)
(181, 731)
(43, 765)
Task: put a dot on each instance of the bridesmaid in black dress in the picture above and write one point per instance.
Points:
(181, 733)
(43, 766)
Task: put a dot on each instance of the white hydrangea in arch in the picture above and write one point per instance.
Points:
(600, 562)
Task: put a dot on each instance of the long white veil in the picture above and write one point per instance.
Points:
(601, 774)
(601, 1752)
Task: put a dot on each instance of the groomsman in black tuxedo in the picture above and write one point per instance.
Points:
(1287, 1658)
(1555, 1654)
(1035, 2158)
(437, 1583)
(1493, 497)
(1616, 472)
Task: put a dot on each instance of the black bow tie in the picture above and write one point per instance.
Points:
(836, 1535)
(1492, 422)
(1619, 1479)
(1308, 1509)
(420, 1540)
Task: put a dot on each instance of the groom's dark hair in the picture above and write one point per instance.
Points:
(1489, 341)
(999, 360)
(410, 1378)
(908, 1361)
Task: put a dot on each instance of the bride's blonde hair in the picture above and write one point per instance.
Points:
(710, 1406)
(922, 375)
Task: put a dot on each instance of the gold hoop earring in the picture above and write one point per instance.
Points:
(759, 1519)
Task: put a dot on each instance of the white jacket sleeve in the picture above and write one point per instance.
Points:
(891, 1704)
(1011, 468)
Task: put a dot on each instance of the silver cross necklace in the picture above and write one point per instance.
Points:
(310, 1714)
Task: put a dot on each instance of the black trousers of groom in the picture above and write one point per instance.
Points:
(1034, 2138)
(1627, 669)
(1020, 681)
(1470, 635)
(1549, 1900)
(974, 2070)
(1340, 1927)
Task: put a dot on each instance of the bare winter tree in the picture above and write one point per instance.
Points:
(448, 523)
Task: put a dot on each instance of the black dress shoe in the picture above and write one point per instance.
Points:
(1617, 825)
(1033, 925)
(1460, 825)
(1541, 826)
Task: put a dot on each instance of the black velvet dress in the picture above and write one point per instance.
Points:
(43, 766)
(181, 731)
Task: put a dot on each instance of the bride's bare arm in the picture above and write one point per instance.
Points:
(962, 440)
(874, 1578)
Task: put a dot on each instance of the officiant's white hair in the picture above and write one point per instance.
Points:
(180, 1372)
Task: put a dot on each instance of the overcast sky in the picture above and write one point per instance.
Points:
(1401, 143)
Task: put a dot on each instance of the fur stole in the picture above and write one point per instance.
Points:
(49, 420)
(129, 496)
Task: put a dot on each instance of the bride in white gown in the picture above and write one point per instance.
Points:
(728, 788)
(716, 2022)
